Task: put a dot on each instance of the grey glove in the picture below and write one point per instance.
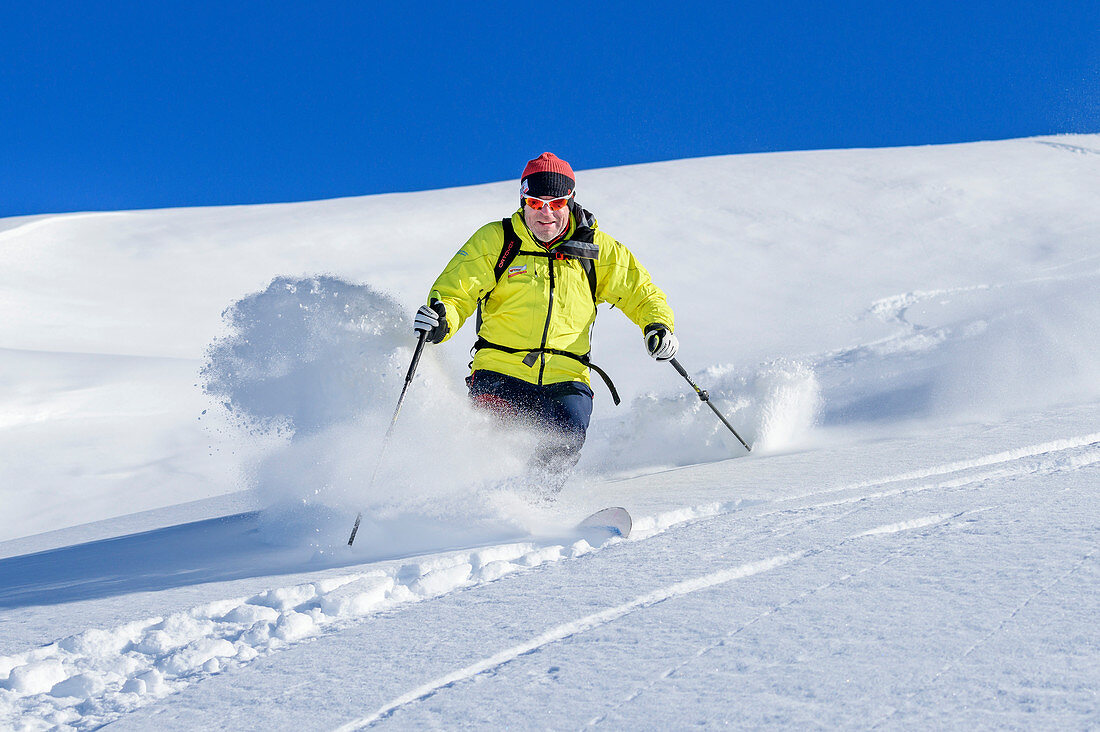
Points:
(660, 342)
(432, 319)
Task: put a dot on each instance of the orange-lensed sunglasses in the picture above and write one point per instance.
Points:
(554, 204)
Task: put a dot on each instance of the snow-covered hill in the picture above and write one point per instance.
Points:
(191, 402)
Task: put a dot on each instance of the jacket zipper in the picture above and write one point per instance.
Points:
(546, 328)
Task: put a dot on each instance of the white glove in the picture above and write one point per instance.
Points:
(660, 342)
(432, 320)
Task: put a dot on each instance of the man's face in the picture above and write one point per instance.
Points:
(545, 224)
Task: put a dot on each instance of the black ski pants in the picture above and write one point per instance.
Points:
(562, 410)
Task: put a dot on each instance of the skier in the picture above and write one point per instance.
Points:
(534, 280)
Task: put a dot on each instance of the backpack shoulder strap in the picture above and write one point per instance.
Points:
(508, 251)
(589, 268)
(585, 234)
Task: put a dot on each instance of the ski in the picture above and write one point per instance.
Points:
(614, 521)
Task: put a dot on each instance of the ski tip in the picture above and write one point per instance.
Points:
(614, 520)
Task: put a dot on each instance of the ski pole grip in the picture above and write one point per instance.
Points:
(416, 355)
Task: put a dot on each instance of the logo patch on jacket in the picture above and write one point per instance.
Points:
(519, 270)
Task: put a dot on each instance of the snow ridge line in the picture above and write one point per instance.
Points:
(1007, 456)
(918, 523)
(603, 617)
(1038, 467)
(92, 678)
(46, 220)
(645, 527)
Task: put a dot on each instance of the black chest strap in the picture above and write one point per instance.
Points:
(533, 356)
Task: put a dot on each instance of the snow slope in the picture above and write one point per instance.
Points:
(192, 399)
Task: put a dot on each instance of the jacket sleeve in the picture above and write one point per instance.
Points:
(468, 277)
(622, 281)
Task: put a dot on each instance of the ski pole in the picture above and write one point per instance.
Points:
(397, 411)
(705, 398)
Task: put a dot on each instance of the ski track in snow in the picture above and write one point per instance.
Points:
(595, 620)
(925, 522)
(927, 684)
(894, 309)
(941, 521)
(573, 628)
(1076, 149)
(88, 679)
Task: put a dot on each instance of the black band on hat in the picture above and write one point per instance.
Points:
(547, 185)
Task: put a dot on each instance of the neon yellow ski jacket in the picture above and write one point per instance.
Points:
(540, 302)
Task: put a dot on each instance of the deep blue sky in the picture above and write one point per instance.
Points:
(147, 104)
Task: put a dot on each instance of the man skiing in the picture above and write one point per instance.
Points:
(534, 280)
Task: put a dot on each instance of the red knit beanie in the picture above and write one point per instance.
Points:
(547, 176)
